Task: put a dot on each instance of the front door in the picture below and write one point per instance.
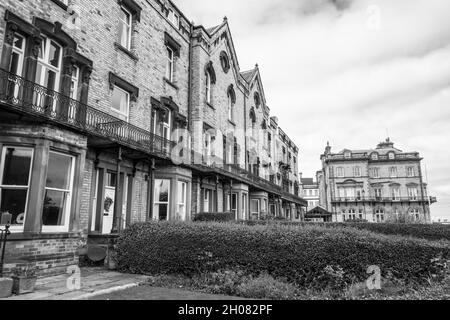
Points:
(108, 203)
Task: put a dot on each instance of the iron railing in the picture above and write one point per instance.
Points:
(4, 233)
(244, 175)
(379, 199)
(36, 100)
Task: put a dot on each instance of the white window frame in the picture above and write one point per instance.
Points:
(74, 79)
(413, 193)
(393, 172)
(21, 54)
(378, 193)
(69, 192)
(357, 171)
(156, 201)
(130, 28)
(230, 107)
(124, 114)
(375, 173)
(45, 65)
(182, 200)
(340, 172)
(16, 187)
(395, 193)
(411, 172)
(170, 64)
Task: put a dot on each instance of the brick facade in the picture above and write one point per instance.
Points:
(124, 117)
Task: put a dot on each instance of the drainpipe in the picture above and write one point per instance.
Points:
(151, 186)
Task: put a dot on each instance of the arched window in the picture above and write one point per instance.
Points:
(231, 102)
(257, 100)
(253, 121)
(210, 80)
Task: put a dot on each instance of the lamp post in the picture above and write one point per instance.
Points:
(3, 235)
(364, 204)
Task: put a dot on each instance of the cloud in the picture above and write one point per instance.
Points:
(349, 72)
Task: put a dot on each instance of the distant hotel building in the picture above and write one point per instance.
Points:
(310, 192)
(377, 185)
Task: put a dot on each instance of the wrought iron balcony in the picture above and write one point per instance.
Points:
(35, 100)
(379, 199)
(240, 174)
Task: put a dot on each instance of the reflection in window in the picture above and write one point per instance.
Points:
(121, 103)
(161, 200)
(58, 191)
(15, 172)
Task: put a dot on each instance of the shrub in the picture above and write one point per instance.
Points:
(299, 254)
(215, 217)
(266, 287)
(433, 232)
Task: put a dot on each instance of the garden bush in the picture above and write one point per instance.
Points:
(301, 255)
(433, 232)
(215, 217)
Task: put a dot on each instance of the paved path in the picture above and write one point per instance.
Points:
(94, 281)
(102, 284)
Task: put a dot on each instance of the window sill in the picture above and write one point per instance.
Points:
(170, 83)
(60, 4)
(210, 105)
(232, 123)
(126, 51)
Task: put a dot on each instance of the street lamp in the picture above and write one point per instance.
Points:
(364, 204)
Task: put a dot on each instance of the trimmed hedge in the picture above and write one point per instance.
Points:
(301, 255)
(215, 217)
(433, 232)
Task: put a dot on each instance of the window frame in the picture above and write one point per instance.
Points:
(182, 186)
(130, 26)
(393, 172)
(170, 66)
(128, 95)
(156, 201)
(69, 197)
(208, 88)
(340, 172)
(19, 228)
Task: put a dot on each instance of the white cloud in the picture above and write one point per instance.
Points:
(327, 76)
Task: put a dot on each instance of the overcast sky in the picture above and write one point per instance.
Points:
(349, 72)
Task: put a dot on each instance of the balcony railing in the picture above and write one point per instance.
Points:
(379, 199)
(241, 174)
(33, 99)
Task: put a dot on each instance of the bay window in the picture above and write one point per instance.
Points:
(182, 200)
(161, 200)
(58, 192)
(15, 176)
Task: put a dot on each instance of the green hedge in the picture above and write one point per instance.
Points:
(215, 217)
(298, 254)
(422, 231)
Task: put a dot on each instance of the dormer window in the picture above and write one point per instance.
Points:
(348, 155)
(375, 156)
(391, 156)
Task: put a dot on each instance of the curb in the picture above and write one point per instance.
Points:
(107, 291)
